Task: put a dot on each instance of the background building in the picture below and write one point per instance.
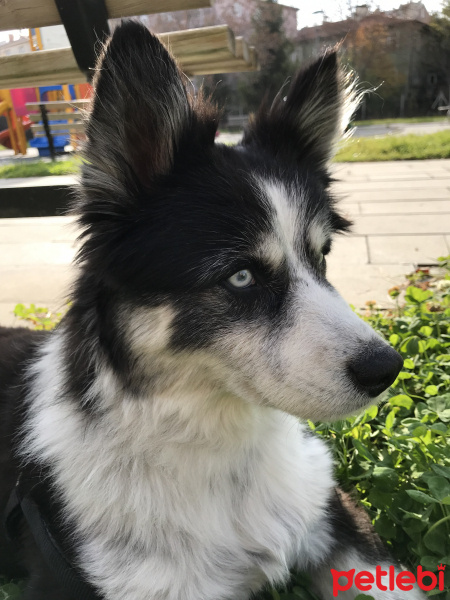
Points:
(398, 52)
(12, 46)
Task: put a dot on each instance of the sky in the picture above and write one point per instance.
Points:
(334, 9)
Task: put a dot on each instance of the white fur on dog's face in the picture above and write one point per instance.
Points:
(300, 366)
(296, 362)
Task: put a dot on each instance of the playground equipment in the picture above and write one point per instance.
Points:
(16, 125)
(17, 122)
(57, 120)
(200, 51)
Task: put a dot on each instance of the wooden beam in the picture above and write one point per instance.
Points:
(233, 66)
(45, 67)
(58, 127)
(21, 14)
(242, 49)
(245, 60)
(253, 56)
(198, 51)
(193, 45)
(56, 116)
(58, 104)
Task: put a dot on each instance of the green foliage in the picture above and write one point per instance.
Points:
(37, 317)
(40, 169)
(404, 147)
(274, 50)
(10, 590)
(440, 23)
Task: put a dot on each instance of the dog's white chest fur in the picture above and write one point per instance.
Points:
(166, 510)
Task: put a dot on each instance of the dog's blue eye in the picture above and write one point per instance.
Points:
(242, 279)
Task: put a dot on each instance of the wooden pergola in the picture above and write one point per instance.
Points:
(200, 51)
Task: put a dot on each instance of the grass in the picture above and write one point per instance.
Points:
(440, 119)
(404, 147)
(40, 169)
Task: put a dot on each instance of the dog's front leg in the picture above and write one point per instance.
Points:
(358, 562)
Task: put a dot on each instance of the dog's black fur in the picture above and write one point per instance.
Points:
(158, 199)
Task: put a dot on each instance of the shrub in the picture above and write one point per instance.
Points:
(38, 317)
(10, 590)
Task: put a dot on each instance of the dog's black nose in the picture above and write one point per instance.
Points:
(374, 370)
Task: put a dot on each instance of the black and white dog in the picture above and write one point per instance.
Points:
(156, 429)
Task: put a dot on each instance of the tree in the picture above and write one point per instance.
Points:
(220, 90)
(274, 51)
(441, 24)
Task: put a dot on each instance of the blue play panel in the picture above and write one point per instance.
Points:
(41, 143)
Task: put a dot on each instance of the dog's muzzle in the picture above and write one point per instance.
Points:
(375, 369)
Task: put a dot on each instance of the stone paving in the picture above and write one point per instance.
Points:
(399, 128)
(401, 215)
(401, 212)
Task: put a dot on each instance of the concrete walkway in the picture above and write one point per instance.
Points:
(400, 128)
(401, 215)
(401, 212)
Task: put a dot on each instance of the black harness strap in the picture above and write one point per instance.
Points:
(69, 577)
(13, 515)
(86, 24)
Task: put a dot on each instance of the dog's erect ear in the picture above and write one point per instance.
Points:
(305, 121)
(141, 111)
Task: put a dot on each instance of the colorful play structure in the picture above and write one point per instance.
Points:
(70, 37)
(15, 122)
(18, 123)
(18, 120)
